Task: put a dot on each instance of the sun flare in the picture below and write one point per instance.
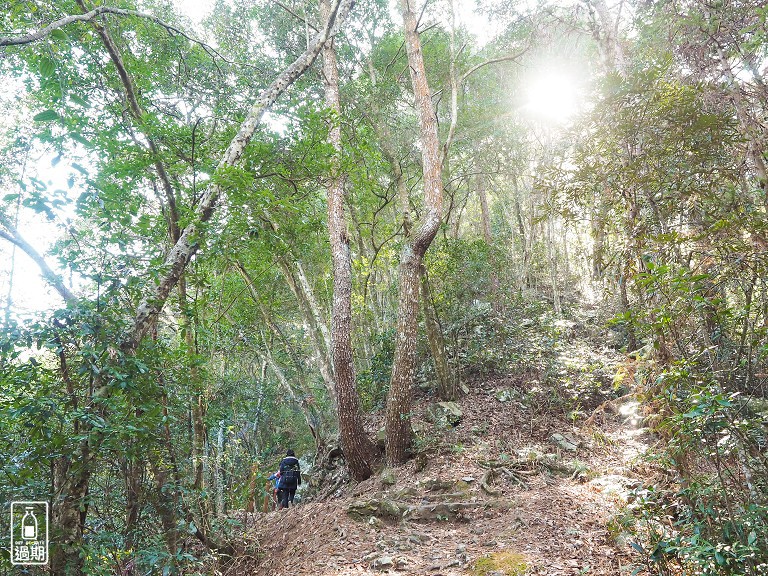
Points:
(552, 96)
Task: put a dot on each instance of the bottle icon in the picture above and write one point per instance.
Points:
(29, 525)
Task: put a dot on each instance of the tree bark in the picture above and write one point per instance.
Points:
(318, 330)
(485, 217)
(604, 27)
(358, 448)
(447, 388)
(218, 473)
(69, 511)
(553, 269)
(399, 400)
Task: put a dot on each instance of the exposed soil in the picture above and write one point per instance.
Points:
(556, 517)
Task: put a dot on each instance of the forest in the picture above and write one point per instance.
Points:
(497, 271)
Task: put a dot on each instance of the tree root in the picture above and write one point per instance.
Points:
(392, 510)
(515, 469)
(486, 480)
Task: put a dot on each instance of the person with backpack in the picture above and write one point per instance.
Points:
(274, 493)
(290, 478)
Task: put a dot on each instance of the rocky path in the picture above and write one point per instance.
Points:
(496, 495)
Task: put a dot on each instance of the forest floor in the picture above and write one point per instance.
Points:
(493, 495)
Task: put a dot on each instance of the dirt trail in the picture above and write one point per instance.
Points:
(544, 502)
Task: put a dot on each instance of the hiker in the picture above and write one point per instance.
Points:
(290, 478)
(277, 494)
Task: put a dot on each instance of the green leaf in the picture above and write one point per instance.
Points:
(47, 68)
(46, 116)
(59, 34)
(10, 197)
(80, 138)
(79, 100)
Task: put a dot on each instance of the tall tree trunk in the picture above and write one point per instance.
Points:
(132, 474)
(300, 395)
(318, 330)
(399, 400)
(627, 267)
(165, 506)
(197, 405)
(69, 511)
(358, 448)
(553, 271)
(605, 30)
(447, 388)
(71, 477)
(218, 473)
(485, 219)
(598, 225)
(754, 133)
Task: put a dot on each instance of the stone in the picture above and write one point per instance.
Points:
(444, 413)
(383, 563)
(414, 538)
(364, 509)
(462, 486)
(501, 564)
(381, 437)
(388, 477)
(505, 394)
(406, 493)
(419, 428)
(565, 442)
(615, 485)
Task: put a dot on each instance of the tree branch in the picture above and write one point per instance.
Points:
(137, 113)
(40, 34)
(189, 241)
(292, 13)
(12, 234)
(477, 67)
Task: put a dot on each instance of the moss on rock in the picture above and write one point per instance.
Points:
(501, 563)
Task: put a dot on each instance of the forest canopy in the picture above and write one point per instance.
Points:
(293, 224)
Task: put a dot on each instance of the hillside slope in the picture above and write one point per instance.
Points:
(494, 494)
